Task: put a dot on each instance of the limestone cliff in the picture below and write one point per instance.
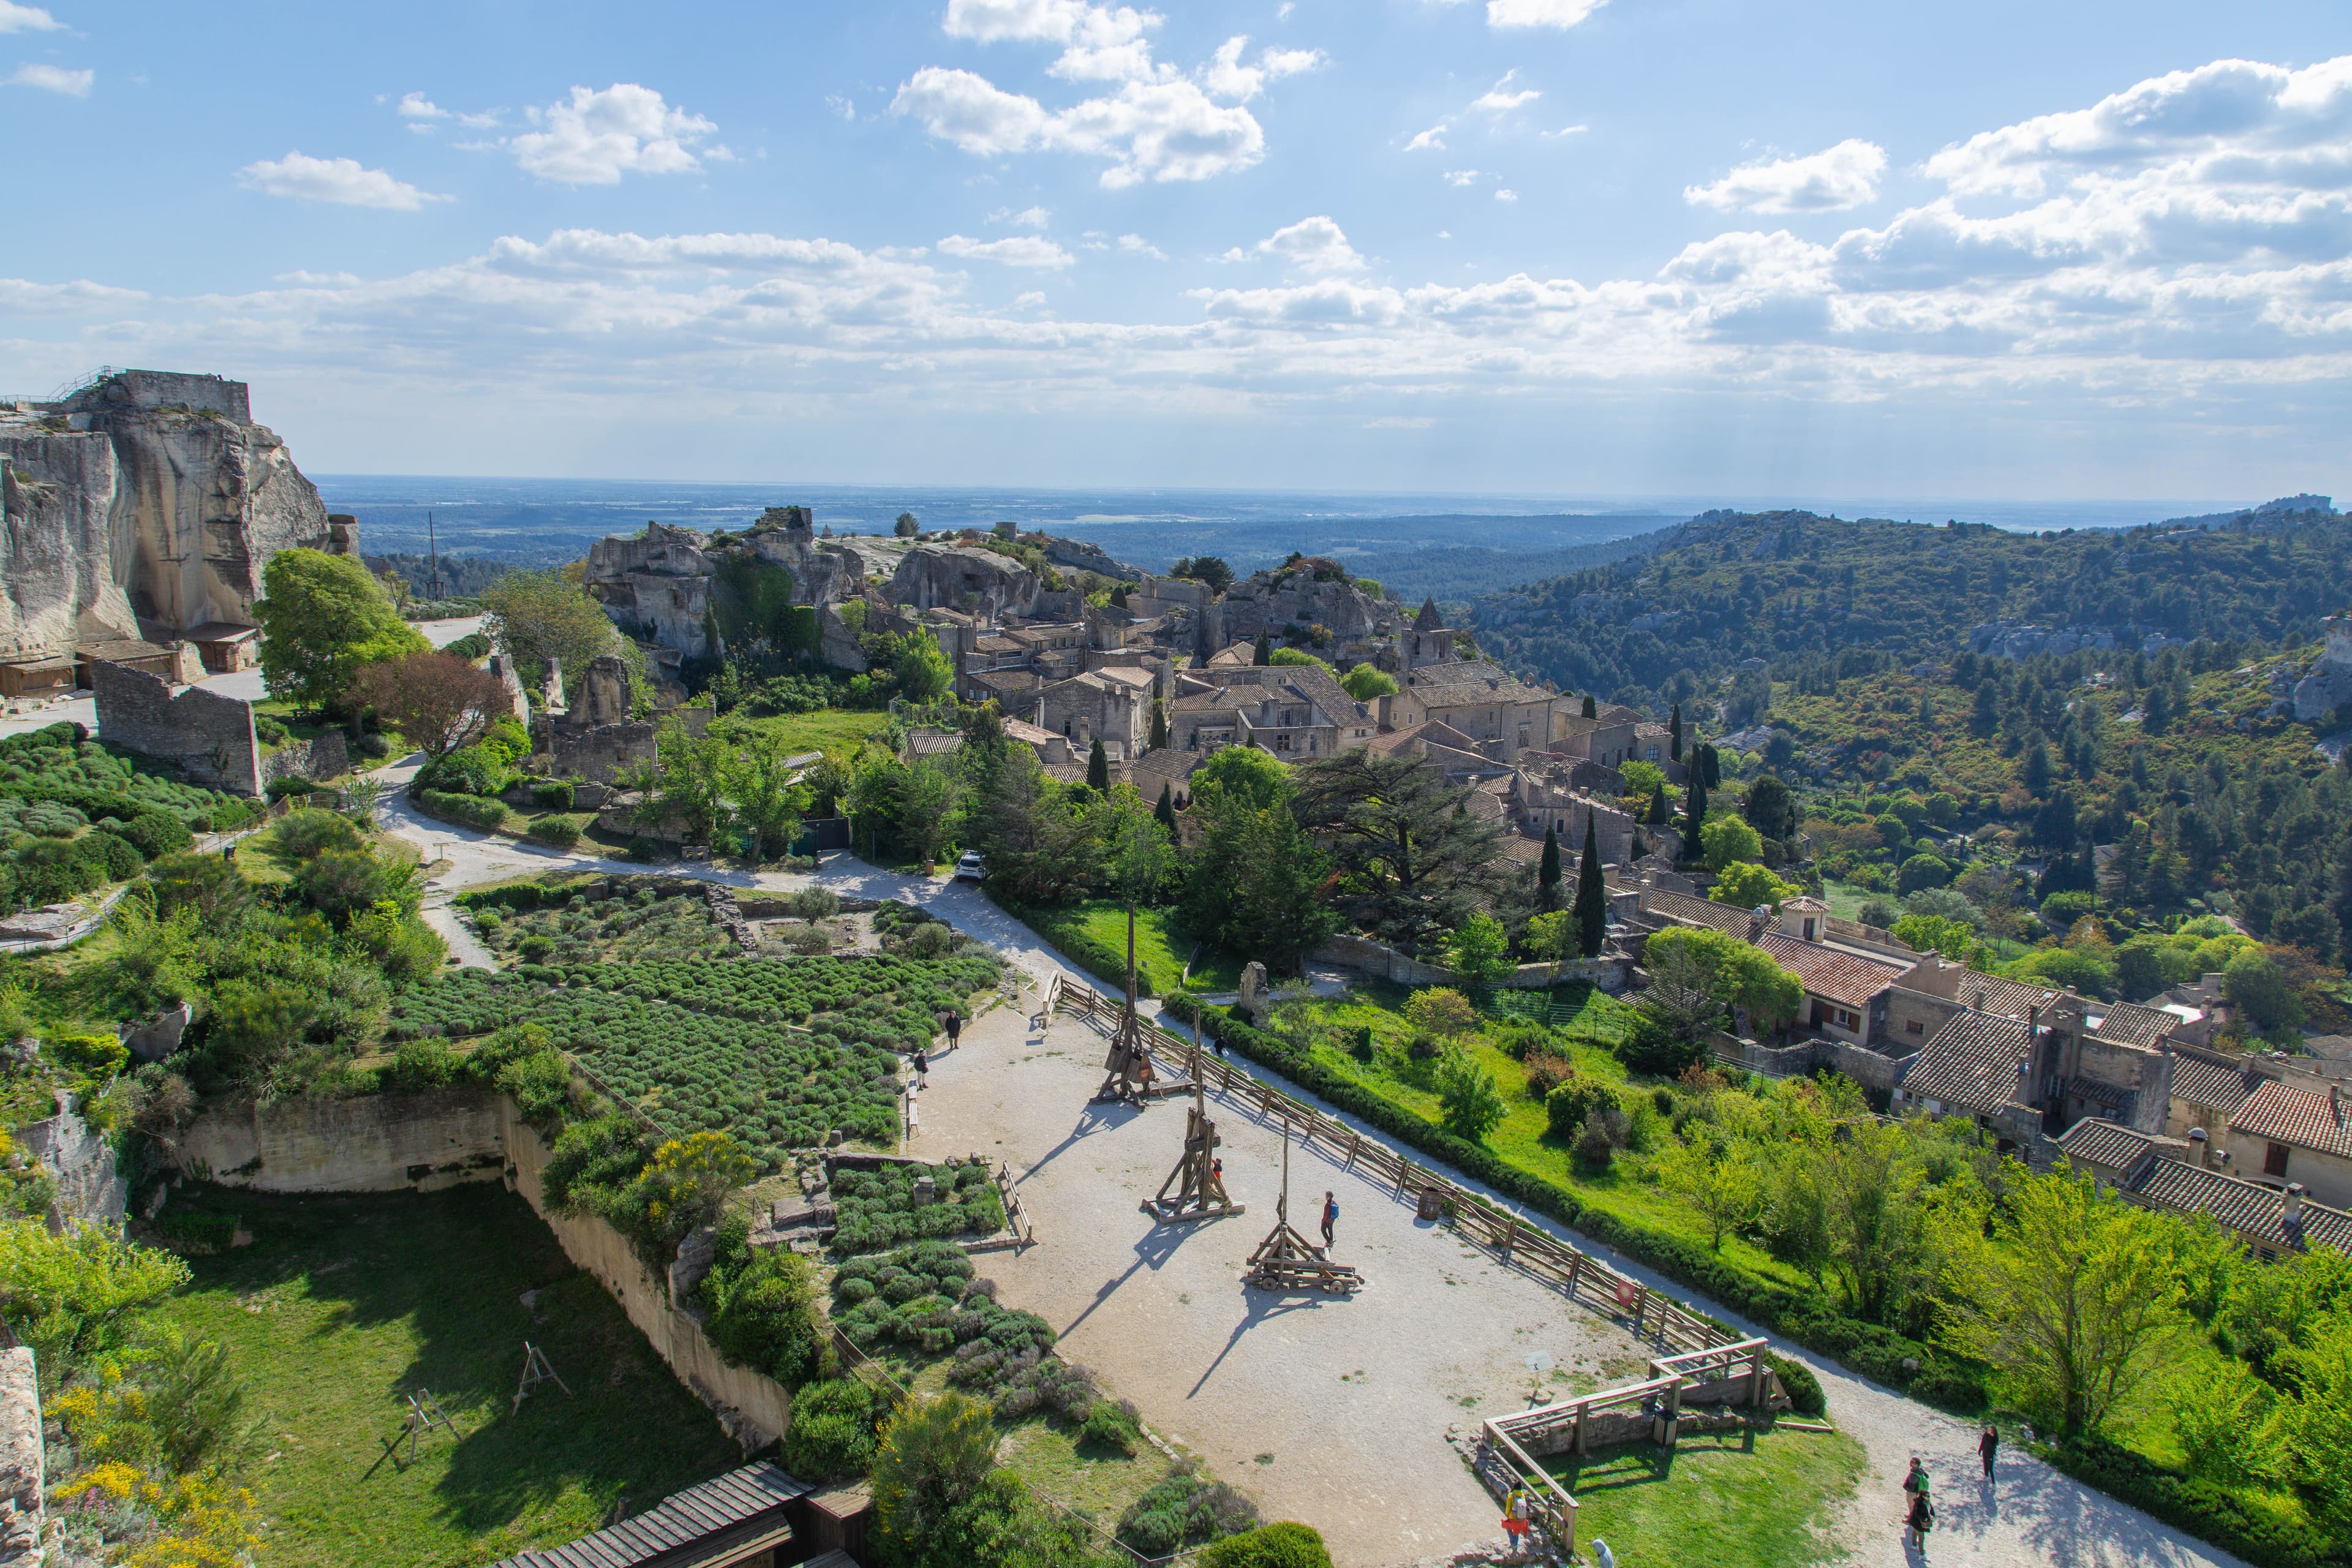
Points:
(671, 586)
(147, 495)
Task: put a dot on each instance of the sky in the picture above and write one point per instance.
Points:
(1580, 248)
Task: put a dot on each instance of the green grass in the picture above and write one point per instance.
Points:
(1524, 1137)
(1735, 1500)
(1098, 1483)
(1161, 945)
(827, 730)
(345, 1303)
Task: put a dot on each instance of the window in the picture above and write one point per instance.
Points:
(2275, 1160)
(1915, 1028)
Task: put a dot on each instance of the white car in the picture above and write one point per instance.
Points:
(970, 868)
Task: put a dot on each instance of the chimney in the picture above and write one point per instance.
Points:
(2199, 1151)
(2292, 1215)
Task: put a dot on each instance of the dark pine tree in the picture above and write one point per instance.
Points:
(1660, 813)
(1592, 708)
(1159, 725)
(1674, 734)
(1166, 810)
(1264, 654)
(1548, 871)
(1591, 908)
(1694, 811)
(1714, 766)
(1098, 768)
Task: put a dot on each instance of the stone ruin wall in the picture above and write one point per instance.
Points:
(208, 736)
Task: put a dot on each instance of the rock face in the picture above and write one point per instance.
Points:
(965, 578)
(661, 584)
(146, 497)
(2328, 687)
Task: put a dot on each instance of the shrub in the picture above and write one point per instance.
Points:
(312, 831)
(269, 732)
(551, 794)
(465, 810)
(2229, 1520)
(421, 1065)
(1112, 1424)
(1798, 1382)
(121, 857)
(762, 1309)
(1184, 1511)
(832, 1434)
(1442, 1011)
(1282, 1545)
(280, 789)
(1572, 1101)
(158, 833)
(560, 831)
(1546, 1072)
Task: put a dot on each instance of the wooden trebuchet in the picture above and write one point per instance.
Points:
(1130, 1073)
(1286, 1260)
(1200, 1186)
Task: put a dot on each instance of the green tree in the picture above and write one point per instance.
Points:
(1727, 838)
(1660, 814)
(1413, 862)
(1878, 1223)
(1674, 734)
(323, 619)
(1744, 885)
(545, 618)
(1158, 725)
(1138, 856)
(764, 791)
(1253, 886)
(72, 1296)
(1640, 778)
(1592, 708)
(1098, 768)
(1547, 870)
(1264, 653)
(1481, 951)
(685, 782)
(1244, 773)
(931, 1458)
(1366, 683)
(1704, 972)
(1694, 811)
(1773, 808)
(1722, 1184)
(1040, 848)
(1922, 871)
(1441, 1011)
(2256, 986)
(1164, 809)
(1548, 938)
(2073, 1299)
(1470, 1103)
(1591, 911)
(906, 527)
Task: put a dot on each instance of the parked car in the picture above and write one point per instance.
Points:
(971, 867)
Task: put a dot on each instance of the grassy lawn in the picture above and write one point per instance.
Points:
(1736, 1499)
(1524, 1138)
(342, 1304)
(827, 730)
(1161, 945)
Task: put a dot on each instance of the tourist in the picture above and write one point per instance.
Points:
(1915, 1483)
(1330, 1216)
(922, 1069)
(1515, 1516)
(955, 1028)
(1920, 1519)
(1602, 1556)
(1987, 1447)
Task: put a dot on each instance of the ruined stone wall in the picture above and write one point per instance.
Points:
(378, 1144)
(24, 1478)
(208, 736)
(81, 1164)
(324, 758)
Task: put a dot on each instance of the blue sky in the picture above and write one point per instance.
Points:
(1527, 245)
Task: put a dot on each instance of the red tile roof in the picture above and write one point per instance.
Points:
(1971, 1064)
(1831, 973)
(2284, 1114)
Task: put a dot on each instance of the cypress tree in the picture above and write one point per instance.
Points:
(1695, 810)
(1098, 768)
(1674, 734)
(1714, 767)
(1659, 814)
(1548, 871)
(1159, 725)
(1592, 910)
(1166, 810)
(1264, 654)
(1592, 708)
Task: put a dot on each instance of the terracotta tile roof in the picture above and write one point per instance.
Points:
(2247, 1207)
(1831, 972)
(998, 643)
(1005, 680)
(2010, 998)
(1445, 686)
(1125, 673)
(2285, 1114)
(2217, 1086)
(1167, 762)
(1684, 909)
(2128, 1024)
(2091, 1092)
(2113, 1146)
(1971, 1064)
(1519, 847)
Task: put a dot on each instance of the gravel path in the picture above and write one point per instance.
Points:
(2034, 1516)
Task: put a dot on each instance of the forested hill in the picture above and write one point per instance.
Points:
(1780, 586)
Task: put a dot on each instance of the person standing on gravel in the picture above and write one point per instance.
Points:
(955, 1028)
(1987, 1447)
(1331, 1217)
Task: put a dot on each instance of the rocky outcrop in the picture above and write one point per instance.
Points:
(964, 578)
(2328, 686)
(146, 497)
(23, 1459)
(666, 585)
(1085, 556)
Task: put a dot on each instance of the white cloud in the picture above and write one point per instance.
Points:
(1017, 250)
(1540, 13)
(1313, 245)
(1225, 77)
(81, 298)
(1401, 422)
(320, 280)
(15, 19)
(1566, 130)
(1029, 301)
(53, 78)
(1496, 100)
(1430, 141)
(1027, 217)
(1462, 176)
(422, 114)
(1148, 130)
(1100, 43)
(341, 181)
(1845, 175)
(1136, 245)
(594, 137)
(1506, 195)
(844, 107)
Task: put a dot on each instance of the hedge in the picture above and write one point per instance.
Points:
(2200, 1507)
(1876, 1352)
(465, 810)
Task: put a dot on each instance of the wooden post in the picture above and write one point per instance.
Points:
(1510, 1235)
(1674, 1412)
(1576, 1443)
(1756, 1376)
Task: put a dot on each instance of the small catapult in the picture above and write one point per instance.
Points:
(535, 1370)
(1199, 1177)
(1286, 1260)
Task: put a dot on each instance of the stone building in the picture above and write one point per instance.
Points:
(1110, 705)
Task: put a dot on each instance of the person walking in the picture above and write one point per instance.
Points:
(922, 1069)
(1987, 1447)
(1330, 1216)
(1915, 1483)
(1920, 1520)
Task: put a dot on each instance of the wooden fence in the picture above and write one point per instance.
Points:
(1697, 1350)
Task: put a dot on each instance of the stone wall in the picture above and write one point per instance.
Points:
(23, 1459)
(324, 758)
(380, 1143)
(208, 736)
(81, 1164)
(1383, 961)
(757, 1409)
